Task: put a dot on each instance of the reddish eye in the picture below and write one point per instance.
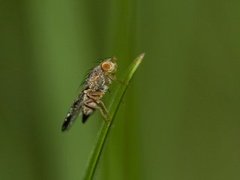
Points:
(106, 66)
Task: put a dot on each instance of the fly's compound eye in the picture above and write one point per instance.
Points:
(108, 66)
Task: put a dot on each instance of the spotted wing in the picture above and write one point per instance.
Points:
(73, 113)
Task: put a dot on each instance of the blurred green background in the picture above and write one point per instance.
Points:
(180, 119)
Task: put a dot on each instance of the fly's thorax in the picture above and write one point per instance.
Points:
(95, 79)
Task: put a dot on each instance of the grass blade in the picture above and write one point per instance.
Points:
(101, 139)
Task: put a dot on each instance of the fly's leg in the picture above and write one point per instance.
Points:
(114, 78)
(104, 111)
(100, 106)
(96, 96)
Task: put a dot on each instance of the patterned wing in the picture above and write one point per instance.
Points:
(73, 113)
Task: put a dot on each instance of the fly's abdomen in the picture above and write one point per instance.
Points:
(89, 106)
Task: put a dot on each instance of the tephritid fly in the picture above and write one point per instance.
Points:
(94, 88)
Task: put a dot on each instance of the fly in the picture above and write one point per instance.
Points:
(94, 88)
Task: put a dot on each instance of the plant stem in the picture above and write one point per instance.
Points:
(101, 139)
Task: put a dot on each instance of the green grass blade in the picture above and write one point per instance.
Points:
(96, 153)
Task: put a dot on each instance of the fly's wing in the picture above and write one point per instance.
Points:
(73, 113)
(76, 107)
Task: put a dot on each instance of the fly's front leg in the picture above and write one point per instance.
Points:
(114, 78)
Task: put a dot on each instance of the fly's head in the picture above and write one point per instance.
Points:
(109, 66)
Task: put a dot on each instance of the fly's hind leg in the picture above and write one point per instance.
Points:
(101, 107)
(103, 111)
